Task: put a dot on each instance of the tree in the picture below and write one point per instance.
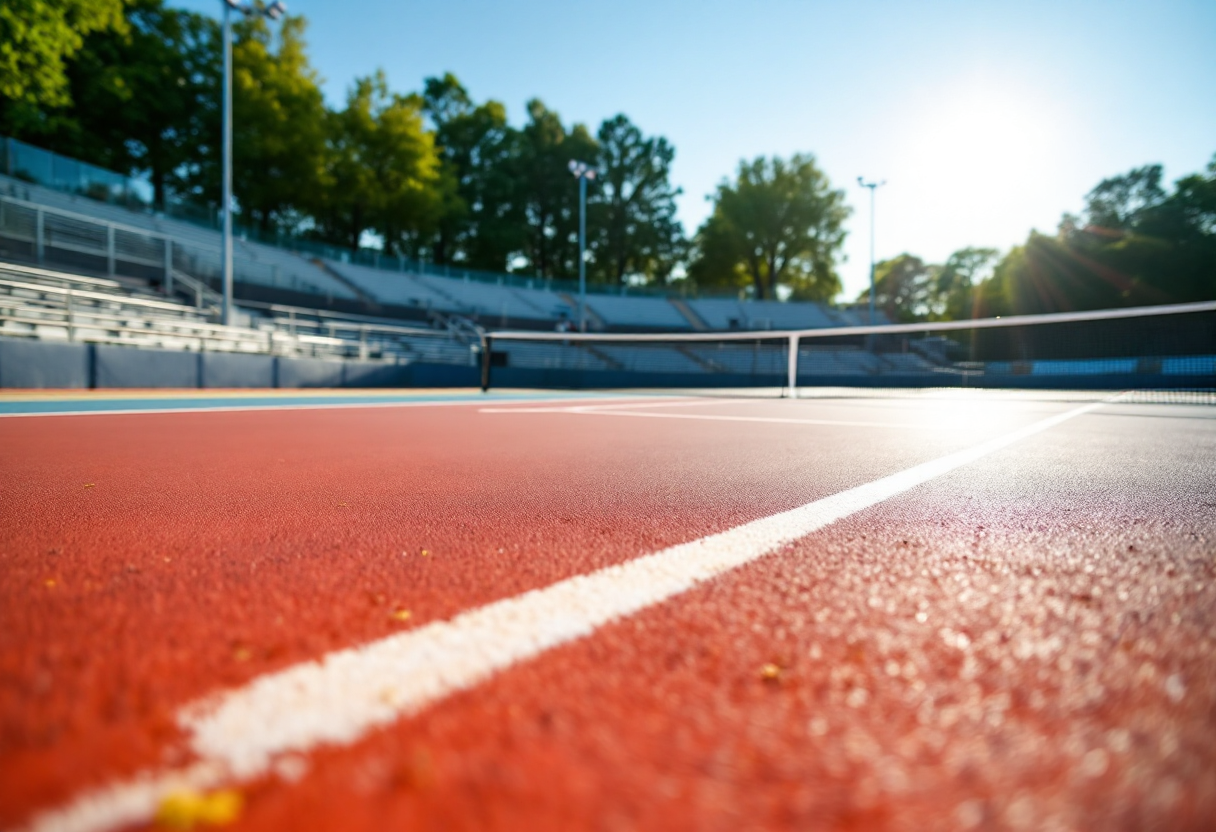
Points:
(279, 122)
(547, 193)
(956, 280)
(632, 219)
(1118, 202)
(1136, 244)
(481, 223)
(384, 171)
(904, 288)
(779, 224)
(145, 98)
(37, 38)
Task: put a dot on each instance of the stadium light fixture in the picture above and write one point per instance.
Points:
(873, 186)
(583, 172)
(273, 11)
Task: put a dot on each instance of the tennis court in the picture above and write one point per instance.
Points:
(454, 610)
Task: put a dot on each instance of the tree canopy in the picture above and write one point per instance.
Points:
(1136, 243)
(38, 38)
(779, 223)
(135, 86)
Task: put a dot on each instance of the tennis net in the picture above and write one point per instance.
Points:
(1160, 347)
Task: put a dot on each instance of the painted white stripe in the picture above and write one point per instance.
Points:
(585, 411)
(135, 411)
(240, 734)
(673, 402)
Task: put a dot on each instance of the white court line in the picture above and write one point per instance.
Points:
(611, 410)
(705, 417)
(241, 734)
(675, 402)
(139, 411)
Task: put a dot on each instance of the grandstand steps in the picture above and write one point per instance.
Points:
(701, 361)
(542, 313)
(689, 314)
(603, 356)
(594, 321)
(433, 286)
(341, 278)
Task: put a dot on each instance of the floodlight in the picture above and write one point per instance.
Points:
(583, 172)
(873, 186)
(275, 10)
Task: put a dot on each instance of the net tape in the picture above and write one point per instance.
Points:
(1168, 346)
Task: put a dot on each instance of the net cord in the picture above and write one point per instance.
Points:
(845, 331)
(794, 336)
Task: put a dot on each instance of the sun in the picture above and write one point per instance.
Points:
(984, 138)
(975, 160)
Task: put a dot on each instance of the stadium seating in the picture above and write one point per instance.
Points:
(493, 301)
(397, 288)
(639, 311)
(729, 313)
(197, 249)
(496, 302)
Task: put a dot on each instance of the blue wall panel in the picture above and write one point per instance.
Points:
(43, 364)
(309, 372)
(226, 369)
(131, 367)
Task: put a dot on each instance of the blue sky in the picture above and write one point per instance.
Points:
(986, 119)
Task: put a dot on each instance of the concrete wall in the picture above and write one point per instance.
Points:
(48, 364)
(309, 372)
(129, 367)
(44, 364)
(226, 369)
(34, 364)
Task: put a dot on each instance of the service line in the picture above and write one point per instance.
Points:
(632, 408)
(245, 733)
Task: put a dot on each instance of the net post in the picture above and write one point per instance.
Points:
(486, 342)
(792, 368)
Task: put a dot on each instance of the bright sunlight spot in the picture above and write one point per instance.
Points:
(975, 158)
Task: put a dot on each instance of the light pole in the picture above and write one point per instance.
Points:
(873, 186)
(583, 172)
(274, 11)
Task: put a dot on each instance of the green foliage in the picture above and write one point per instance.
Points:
(779, 224)
(1136, 245)
(547, 193)
(157, 74)
(954, 291)
(383, 172)
(905, 288)
(279, 124)
(480, 223)
(632, 222)
(37, 38)
(1117, 202)
(161, 75)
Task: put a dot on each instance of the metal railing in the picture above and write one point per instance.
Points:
(44, 304)
(47, 235)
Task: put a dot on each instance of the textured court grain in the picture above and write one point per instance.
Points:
(938, 667)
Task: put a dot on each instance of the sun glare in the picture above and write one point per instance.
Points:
(975, 159)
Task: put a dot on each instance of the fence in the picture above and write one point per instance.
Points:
(46, 305)
(53, 236)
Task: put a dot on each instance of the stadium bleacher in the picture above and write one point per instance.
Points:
(395, 288)
(638, 311)
(196, 249)
(730, 313)
(495, 302)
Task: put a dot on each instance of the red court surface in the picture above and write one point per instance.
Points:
(284, 605)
